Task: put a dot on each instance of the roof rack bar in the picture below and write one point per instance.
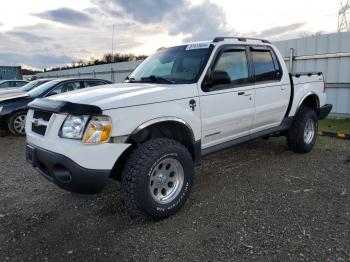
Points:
(242, 39)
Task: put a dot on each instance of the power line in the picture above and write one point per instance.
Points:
(344, 17)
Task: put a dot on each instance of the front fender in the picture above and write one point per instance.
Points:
(128, 120)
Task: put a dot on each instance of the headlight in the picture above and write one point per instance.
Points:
(98, 130)
(73, 127)
(1, 108)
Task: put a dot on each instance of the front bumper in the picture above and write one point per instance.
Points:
(64, 172)
(324, 111)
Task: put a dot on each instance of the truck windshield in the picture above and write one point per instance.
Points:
(181, 64)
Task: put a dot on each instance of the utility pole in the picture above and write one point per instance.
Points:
(113, 43)
(344, 17)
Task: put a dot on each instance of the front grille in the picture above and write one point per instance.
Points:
(40, 121)
(43, 115)
(39, 129)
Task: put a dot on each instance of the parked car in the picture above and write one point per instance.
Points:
(13, 110)
(12, 83)
(180, 104)
(8, 92)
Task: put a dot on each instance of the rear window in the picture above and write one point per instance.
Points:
(266, 69)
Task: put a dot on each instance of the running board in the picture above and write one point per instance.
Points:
(285, 125)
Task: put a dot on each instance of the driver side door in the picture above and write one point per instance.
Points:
(227, 110)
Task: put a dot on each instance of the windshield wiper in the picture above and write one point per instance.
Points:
(154, 78)
(129, 79)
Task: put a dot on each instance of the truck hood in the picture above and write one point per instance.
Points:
(128, 94)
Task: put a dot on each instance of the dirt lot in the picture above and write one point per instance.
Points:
(257, 201)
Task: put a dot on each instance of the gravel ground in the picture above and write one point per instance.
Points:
(257, 201)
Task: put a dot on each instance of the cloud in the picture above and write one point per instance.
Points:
(45, 45)
(35, 60)
(199, 22)
(66, 16)
(28, 37)
(146, 11)
(279, 31)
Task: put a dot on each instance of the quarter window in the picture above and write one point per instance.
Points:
(265, 67)
(235, 64)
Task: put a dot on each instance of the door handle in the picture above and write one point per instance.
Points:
(283, 87)
(241, 93)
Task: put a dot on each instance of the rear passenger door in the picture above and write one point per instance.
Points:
(271, 96)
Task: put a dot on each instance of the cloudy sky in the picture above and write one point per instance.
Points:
(44, 33)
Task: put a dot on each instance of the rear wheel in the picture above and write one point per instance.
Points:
(302, 136)
(16, 123)
(157, 178)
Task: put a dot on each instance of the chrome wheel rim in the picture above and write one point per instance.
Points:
(19, 124)
(309, 131)
(166, 180)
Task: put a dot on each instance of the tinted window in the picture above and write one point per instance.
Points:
(20, 83)
(5, 84)
(93, 83)
(235, 63)
(41, 89)
(65, 87)
(265, 68)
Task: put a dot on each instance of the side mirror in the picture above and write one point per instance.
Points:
(217, 78)
(220, 78)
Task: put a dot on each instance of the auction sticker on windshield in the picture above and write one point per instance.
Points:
(198, 46)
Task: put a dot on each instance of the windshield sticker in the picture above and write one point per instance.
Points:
(197, 46)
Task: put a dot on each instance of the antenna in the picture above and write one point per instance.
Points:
(344, 17)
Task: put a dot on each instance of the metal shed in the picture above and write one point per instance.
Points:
(10, 72)
(329, 54)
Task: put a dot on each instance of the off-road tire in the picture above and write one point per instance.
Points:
(11, 123)
(139, 168)
(295, 136)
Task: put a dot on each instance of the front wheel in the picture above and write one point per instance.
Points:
(157, 178)
(302, 136)
(17, 122)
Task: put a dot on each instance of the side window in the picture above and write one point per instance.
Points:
(235, 63)
(93, 83)
(63, 88)
(19, 83)
(265, 67)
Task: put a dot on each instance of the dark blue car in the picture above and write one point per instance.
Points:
(13, 110)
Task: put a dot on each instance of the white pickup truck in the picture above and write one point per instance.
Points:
(180, 104)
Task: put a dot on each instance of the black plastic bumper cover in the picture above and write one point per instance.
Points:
(324, 111)
(65, 173)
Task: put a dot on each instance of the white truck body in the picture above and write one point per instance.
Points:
(216, 119)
